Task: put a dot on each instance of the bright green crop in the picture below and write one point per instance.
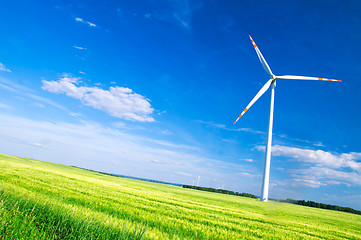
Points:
(40, 200)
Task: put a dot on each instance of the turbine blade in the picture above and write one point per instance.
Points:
(261, 58)
(258, 95)
(306, 78)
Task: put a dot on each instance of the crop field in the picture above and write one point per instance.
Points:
(40, 200)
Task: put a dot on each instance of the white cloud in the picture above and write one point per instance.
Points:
(3, 68)
(318, 144)
(119, 125)
(119, 102)
(80, 48)
(325, 168)
(247, 160)
(86, 22)
(183, 20)
(320, 158)
(76, 115)
(183, 12)
(250, 175)
(315, 144)
(321, 176)
(184, 174)
(223, 126)
(36, 144)
(166, 132)
(307, 182)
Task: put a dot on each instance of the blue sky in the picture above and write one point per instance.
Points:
(151, 89)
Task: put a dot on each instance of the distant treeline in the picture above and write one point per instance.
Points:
(220, 191)
(125, 176)
(321, 205)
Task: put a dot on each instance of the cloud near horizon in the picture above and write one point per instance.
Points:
(324, 168)
(320, 158)
(118, 102)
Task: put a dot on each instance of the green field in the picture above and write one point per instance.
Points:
(40, 200)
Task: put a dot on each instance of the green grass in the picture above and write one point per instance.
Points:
(40, 200)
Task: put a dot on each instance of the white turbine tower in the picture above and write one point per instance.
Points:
(272, 83)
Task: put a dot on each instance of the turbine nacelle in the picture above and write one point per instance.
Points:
(274, 80)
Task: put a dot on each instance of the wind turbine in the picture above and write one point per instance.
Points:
(272, 83)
